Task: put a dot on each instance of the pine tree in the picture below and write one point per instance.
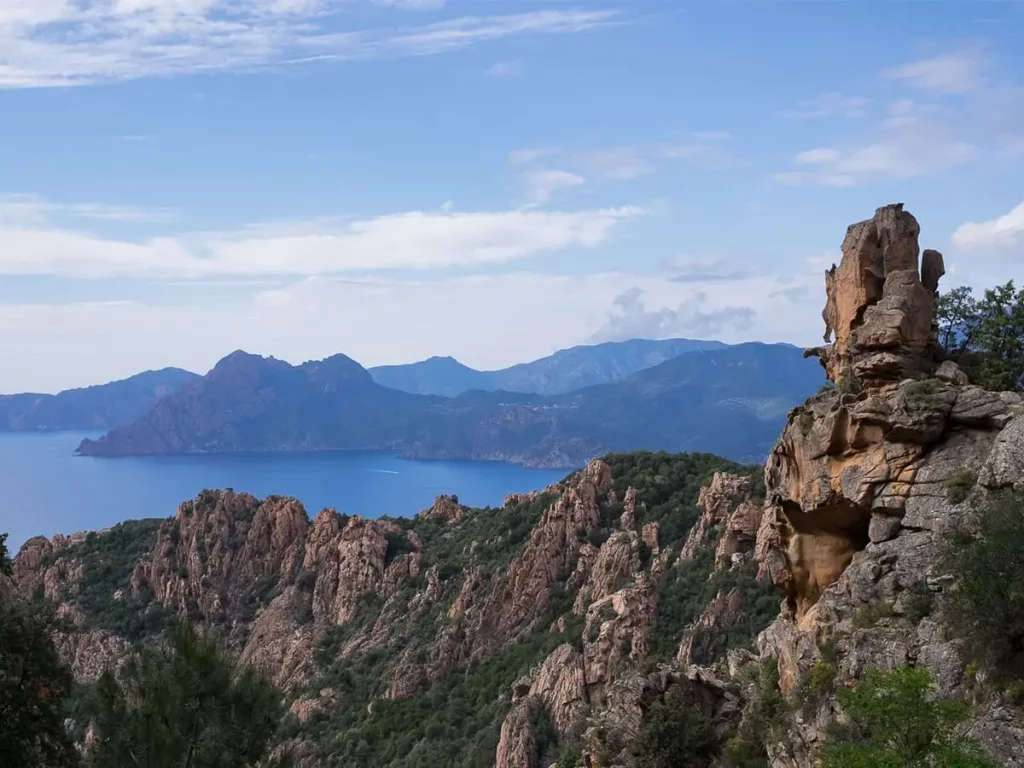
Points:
(183, 706)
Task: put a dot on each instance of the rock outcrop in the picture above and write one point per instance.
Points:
(858, 489)
(881, 302)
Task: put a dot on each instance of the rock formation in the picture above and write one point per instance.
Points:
(729, 511)
(881, 302)
(857, 486)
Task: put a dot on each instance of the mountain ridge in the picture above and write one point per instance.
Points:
(249, 403)
(562, 371)
(100, 406)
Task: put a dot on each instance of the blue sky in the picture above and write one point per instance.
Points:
(490, 179)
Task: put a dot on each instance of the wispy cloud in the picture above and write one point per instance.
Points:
(615, 163)
(1002, 232)
(34, 242)
(958, 72)
(542, 183)
(832, 104)
(908, 144)
(624, 162)
(21, 209)
(62, 43)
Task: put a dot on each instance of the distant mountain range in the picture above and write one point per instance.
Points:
(103, 406)
(727, 400)
(564, 371)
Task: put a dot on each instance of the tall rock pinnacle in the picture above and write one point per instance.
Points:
(881, 302)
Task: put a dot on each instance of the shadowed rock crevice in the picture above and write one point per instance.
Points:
(821, 546)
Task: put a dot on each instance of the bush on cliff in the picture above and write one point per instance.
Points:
(986, 608)
(893, 719)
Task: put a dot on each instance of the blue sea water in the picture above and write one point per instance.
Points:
(45, 489)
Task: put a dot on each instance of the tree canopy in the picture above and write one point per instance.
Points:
(896, 722)
(183, 706)
(33, 684)
(986, 335)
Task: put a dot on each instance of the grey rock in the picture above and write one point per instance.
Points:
(952, 373)
(883, 528)
(1005, 465)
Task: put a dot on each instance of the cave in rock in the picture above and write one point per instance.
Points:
(821, 546)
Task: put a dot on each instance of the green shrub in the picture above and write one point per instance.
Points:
(986, 607)
(818, 683)
(676, 732)
(959, 485)
(921, 391)
(893, 719)
(869, 615)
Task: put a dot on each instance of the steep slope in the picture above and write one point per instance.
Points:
(103, 406)
(730, 401)
(564, 371)
(428, 633)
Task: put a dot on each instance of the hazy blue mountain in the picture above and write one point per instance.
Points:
(433, 376)
(564, 371)
(730, 401)
(103, 406)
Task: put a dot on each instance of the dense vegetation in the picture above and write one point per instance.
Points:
(106, 596)
(892, 719)
(184, 705)
(33, 682)
(985, 336)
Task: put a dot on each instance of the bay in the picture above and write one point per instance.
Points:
(45, 489)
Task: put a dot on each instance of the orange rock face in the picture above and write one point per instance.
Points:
(881, 302)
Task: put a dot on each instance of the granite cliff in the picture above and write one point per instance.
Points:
(643, 597)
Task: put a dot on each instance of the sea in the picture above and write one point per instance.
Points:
(45, 489)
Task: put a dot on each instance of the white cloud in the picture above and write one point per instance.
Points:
(631, 318)
(1004, 231)
(832, 104)
(506, 69)
(379, 321)
(909, 144)
(950, 73)
(541, 184)
(60, 43)
(31, 245)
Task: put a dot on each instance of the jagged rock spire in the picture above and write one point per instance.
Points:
(881, 302)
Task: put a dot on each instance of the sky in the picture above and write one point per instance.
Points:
(487, 179)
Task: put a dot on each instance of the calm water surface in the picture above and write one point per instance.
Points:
(44, 489)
